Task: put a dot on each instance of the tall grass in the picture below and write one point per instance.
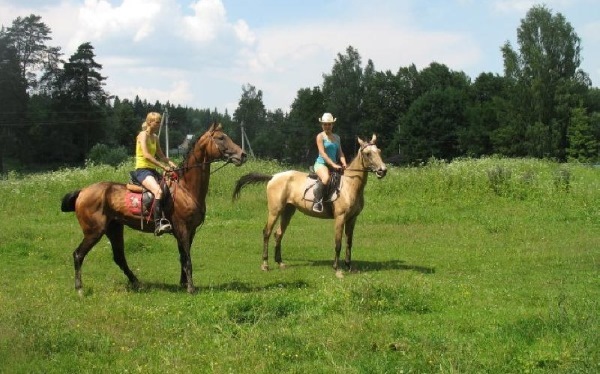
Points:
(486, 265)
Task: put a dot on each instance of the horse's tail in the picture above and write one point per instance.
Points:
(68, 201)
(249, 179)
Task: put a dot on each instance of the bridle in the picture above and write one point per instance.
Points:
(362, 161)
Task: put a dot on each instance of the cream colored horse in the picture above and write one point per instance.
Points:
(286, 193)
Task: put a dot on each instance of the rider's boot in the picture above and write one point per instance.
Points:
(161, 224)
(318, 196)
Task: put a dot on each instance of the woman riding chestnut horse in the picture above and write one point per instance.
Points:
(102, 208)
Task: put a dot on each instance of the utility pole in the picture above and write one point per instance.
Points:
(245, 140)
(165, 119)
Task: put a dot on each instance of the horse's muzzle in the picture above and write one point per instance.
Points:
(237, 159)
(381, 173)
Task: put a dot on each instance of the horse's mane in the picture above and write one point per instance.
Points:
(190, 149)
(193, 142)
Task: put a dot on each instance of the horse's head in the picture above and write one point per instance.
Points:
(222, 147)
(371, 157)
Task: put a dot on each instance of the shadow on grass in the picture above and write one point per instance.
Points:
(243, 287)
(246, 287)
(366, 266)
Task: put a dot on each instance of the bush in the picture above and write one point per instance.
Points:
(104, 154)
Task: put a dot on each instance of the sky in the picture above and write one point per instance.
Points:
(200, 53)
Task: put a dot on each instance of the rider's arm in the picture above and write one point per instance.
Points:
(341, 155)
(162, 156)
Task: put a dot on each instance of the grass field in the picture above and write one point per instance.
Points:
(477, 266)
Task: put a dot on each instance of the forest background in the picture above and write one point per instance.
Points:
(55, 112)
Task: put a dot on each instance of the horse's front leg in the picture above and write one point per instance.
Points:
(184, 244)
(339, 229)
(349, 228)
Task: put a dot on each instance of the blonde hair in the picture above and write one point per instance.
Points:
(152, 116)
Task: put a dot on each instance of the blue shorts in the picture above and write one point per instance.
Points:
(141, 174)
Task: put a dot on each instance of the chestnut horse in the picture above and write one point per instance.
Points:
(101, 208)
(286, 193)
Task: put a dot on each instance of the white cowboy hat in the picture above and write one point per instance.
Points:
(327, 118)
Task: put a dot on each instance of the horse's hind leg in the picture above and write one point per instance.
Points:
(286, 217)
(271, 219)
(88, 242)
(114, 232)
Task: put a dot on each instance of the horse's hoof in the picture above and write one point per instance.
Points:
(339, 274)
(282, 266)
(191, 290)
(264, 267)
(135, 287)
(80, 292)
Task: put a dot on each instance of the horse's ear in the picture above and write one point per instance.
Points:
(373, 139)
(361, 142)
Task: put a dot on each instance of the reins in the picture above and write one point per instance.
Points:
(184, 168)
(367, 170)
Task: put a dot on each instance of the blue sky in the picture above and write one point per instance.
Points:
(199, 53)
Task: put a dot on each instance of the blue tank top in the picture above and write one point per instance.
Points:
(331, 148)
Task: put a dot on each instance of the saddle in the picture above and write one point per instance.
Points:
(332, 190)
(139, 200)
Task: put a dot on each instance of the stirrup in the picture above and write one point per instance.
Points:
(162, 226)
(318, 206)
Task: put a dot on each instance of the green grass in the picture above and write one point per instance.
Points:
(487, 265)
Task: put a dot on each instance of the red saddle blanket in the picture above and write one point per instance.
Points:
(133, 201)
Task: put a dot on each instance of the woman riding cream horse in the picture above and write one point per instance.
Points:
(330, 156)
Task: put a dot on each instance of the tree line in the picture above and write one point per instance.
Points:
(54, 111)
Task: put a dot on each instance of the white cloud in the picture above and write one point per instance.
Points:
(209, 17)
(161, 89)
(243, 32)
(99, 19)
(288, 47)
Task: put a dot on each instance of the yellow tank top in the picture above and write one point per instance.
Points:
(140, 160)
